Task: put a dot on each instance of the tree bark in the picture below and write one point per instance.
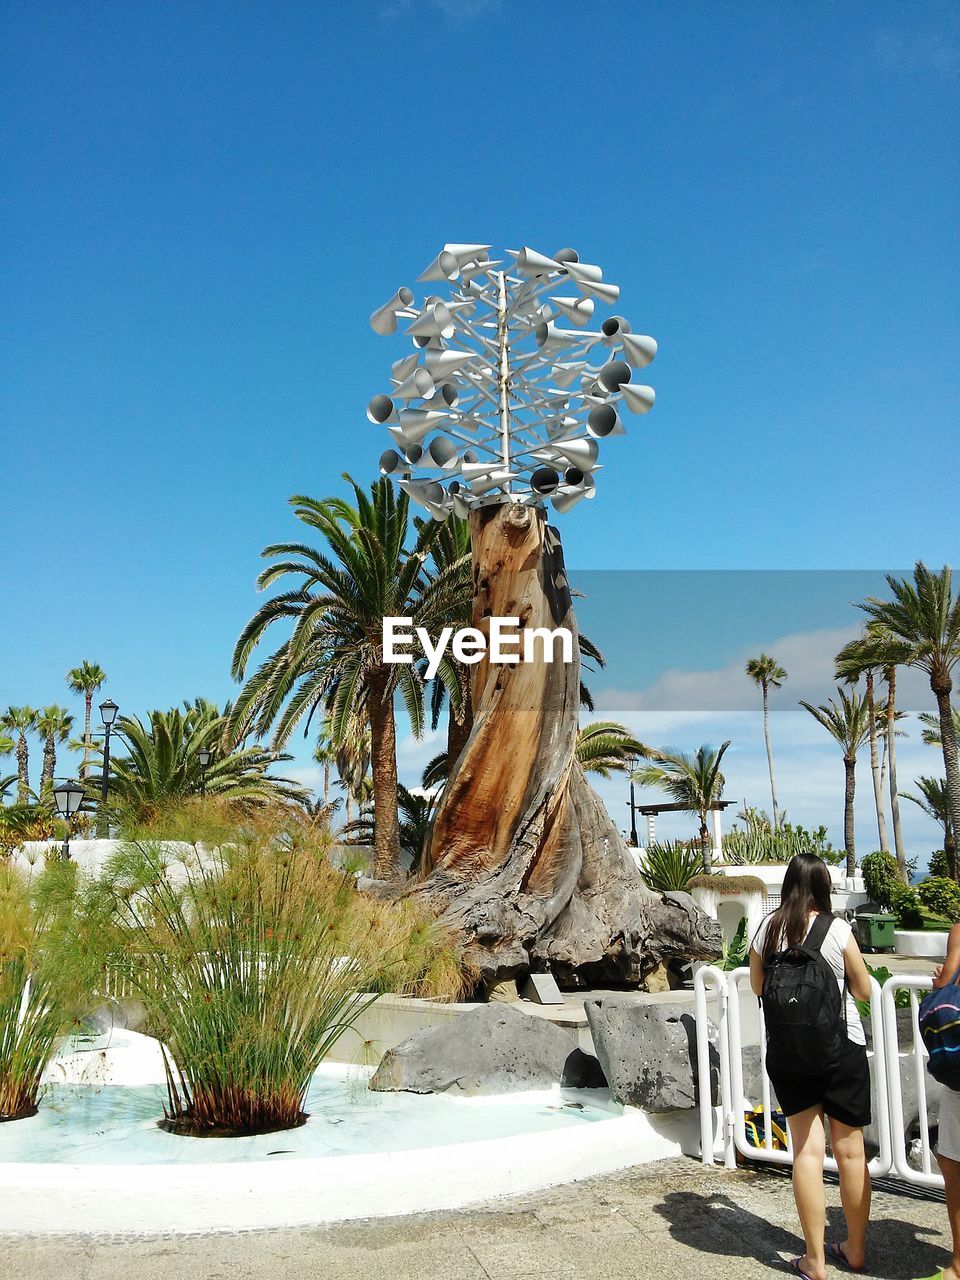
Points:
(49, 765)
(522, 856)
(458, 731)
(942, 687)
(849, 839)
(875, 765)
(23, 769)
(891, 677)
(766, 739)
(383, 761)
(87, 707)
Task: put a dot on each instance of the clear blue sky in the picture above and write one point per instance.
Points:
(203, 203)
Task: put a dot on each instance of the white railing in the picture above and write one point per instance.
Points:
(886, 1061)
(915, 1059)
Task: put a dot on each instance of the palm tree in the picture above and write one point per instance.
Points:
(606, 747)
(415, 812)
(7, 748)
(86, 679)
(935, 803)
(860, 658)
(931, 731)
(693, 781)
(333, 660)
(161, 766)
(767, 674)
(325, 754)
(846, 722)
(924, 617)
(53, 725)
(20, 720)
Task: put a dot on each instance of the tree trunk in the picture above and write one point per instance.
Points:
(383, 760)
(706, 847)
(942, 688)
(891, 676)
(458, 731)
(522, 856)
(23, 769)
(49, 765)
(766, 739)
(326, 786)
(87, 705)
(849, 839)
(875, 766)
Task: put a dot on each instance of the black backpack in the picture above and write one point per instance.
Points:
(803, 1008)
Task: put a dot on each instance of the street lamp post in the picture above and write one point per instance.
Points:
(204, 756)
(68, 797)
(108, 713)
(634, 841)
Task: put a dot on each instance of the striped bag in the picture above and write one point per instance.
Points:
(940, 1029)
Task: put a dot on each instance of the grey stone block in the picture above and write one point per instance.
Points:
(495, 1048)
(648, 1052)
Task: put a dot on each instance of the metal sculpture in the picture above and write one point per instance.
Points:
(500, 401)
(496, 416)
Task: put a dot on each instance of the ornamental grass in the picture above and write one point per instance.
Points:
(253, 959)
(50, 958)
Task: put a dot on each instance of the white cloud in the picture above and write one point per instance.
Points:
(806, 656)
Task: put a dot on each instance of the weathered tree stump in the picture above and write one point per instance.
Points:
(522, 855)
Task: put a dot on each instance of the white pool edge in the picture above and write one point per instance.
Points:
(204, 1198)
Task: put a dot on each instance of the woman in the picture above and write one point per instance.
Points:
(948, 1137)
(841, 1092)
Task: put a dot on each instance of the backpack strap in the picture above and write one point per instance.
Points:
(818, 932)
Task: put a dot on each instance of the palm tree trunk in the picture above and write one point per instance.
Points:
(87, 706)
(766, 739)
(49, 765)
(891, 676)
(23, 769)
(875, 766)
(706, 848)
(948, 744)
(849, 839)
(383, 742)
(326, 785)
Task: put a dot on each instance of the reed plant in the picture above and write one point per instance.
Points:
(252, 960)
(51, 954)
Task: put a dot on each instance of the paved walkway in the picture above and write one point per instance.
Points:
(673, 1219)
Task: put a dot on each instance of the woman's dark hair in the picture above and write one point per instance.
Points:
(806, 888)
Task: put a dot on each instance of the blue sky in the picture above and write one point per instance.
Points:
(204, 203)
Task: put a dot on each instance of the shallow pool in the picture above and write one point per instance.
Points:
(117, 1124)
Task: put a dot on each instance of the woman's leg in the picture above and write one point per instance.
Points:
(847, 1144)
(809, 1144)
(951, 1181)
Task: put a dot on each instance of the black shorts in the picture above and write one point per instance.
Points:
(844, 1092)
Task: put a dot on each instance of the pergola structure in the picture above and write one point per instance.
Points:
(652, 811)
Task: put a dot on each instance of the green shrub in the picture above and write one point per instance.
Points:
(881, 878)
(736, 950)
(941, 896)
(938, 866)
(671, 866)
(49, 964)
(254, 963)
(905, 905)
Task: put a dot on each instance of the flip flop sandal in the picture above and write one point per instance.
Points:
(835, 1254)
(795, 1266)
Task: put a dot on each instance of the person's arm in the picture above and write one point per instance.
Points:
(858, 978)
(944, 974)
(756, 972)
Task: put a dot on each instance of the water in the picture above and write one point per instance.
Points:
(117, 1124)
